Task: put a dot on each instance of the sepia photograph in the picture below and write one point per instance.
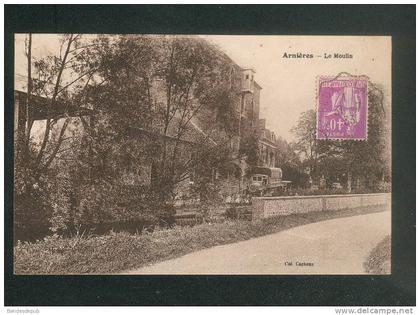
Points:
(145, 154)
(209, 155)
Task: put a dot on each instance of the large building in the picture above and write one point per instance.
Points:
(243, 87)
(266, 145)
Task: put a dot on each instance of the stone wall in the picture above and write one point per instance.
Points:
(265, 207)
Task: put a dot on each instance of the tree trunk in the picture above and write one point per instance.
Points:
(28, 115)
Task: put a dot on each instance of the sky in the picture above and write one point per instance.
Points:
(288, 84)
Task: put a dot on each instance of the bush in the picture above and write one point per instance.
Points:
(379, 260)
(32, 210)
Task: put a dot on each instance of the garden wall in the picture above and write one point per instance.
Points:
(265, 207)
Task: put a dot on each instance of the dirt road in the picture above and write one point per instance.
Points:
(338, 246)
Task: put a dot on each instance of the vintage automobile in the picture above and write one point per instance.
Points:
(266, 181)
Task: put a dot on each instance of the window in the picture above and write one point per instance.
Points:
(247, 77)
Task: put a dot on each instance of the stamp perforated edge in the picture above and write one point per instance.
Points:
(332, 77)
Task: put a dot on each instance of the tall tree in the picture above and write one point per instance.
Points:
(307, 144)
(287, 158)
(173, 92)
(369, 160)
(56, 83)
(365, 160)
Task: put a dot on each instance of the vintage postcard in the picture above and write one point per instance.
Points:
(143, 154)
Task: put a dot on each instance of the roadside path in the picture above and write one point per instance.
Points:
(338, 246)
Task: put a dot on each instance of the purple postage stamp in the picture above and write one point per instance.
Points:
(342, 111)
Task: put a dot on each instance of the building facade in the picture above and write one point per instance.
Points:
(142, 170)
(267, 146)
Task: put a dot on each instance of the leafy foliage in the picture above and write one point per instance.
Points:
(172, 91)
(345, 160)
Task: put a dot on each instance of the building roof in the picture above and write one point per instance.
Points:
(257, 85)
(42, 108)
(226, 56)
(181, 131)
(187, 131)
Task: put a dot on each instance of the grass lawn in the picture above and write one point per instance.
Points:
(379, 260)
(117, 252)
